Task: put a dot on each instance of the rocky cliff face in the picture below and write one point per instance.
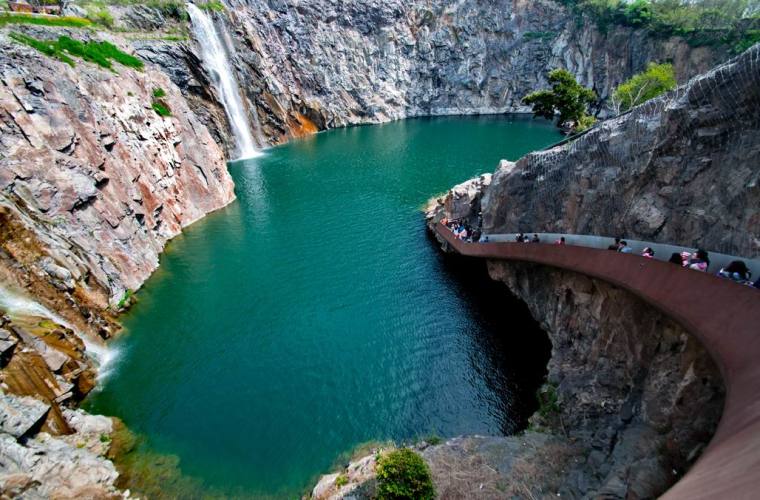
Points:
(95, 180)
(681, 169)
(309, 66)
(331, 63)
(93, 183)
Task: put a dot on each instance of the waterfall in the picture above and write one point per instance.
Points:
(216, 63)
(16, 305)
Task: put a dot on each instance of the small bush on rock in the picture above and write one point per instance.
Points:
(402, 474)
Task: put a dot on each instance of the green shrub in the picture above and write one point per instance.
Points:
(212, 5)
(539, 35)
(585, 122)
(159, 92)
(341, 480)
(124, 298)
(656, 80)
(548, 401)
(402, 474)
(699, 22)
(161, 109)
(99, 14)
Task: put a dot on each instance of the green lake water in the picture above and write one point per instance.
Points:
(315, 314)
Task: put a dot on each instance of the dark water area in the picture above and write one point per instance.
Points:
(315, 314)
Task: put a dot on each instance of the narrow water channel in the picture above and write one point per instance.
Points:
(314, 314)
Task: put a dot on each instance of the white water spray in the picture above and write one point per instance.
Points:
(18, 306)
(215, 60)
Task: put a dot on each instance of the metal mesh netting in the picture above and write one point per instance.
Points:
(683, 168)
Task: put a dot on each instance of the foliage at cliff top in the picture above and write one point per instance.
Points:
(174, 9)
(64, 21)
(735, 23)
(567, 98)
(402, 474)
(656, 80)
(100, 53)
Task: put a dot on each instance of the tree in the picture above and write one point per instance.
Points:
(567, 98)
(657, 79)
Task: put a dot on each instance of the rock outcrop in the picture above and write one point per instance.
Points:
(93, 182)
(679, 169)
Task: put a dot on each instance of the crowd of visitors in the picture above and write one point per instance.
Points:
(462, 230)
(736, 271)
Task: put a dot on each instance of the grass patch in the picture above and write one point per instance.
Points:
(548, 403)
(341, 481)
(161, 109)
(212, 5)
(64, 21)
(159, 92)
(539, 35)
(48, 48)
(124, 298)
(100, 53)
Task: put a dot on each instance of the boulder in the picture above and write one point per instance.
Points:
(19, 415)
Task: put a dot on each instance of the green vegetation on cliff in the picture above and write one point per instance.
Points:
(567, 98)
(100, 53)
(402, 474)
(735, 23)
(63, 21)
(656, 80)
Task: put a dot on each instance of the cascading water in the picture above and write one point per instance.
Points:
(215, 60)
(16, 305)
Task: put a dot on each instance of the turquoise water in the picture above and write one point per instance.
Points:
(315, 314)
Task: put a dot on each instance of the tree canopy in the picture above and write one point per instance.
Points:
(657, 79)
(567, 98)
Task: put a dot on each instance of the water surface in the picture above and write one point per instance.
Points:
(314, 313)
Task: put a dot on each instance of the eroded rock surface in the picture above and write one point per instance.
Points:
(92, 178)
(332, 63)
(679, 169)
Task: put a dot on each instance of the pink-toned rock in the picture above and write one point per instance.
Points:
(96, 174)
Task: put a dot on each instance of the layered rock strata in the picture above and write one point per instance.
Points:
(92, 180)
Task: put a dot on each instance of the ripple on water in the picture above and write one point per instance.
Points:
(314, 314)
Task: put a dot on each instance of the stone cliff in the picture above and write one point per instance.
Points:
(95, 178)
(679, 169)
(310, 66)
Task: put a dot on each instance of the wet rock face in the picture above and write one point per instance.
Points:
(331, 63)
(680, 169)
(635, 391)
(94, 176)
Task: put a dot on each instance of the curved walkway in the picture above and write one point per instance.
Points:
(723, 315)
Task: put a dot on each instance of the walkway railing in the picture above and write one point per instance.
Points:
(723, 315)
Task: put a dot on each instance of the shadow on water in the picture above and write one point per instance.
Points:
(512, 350)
